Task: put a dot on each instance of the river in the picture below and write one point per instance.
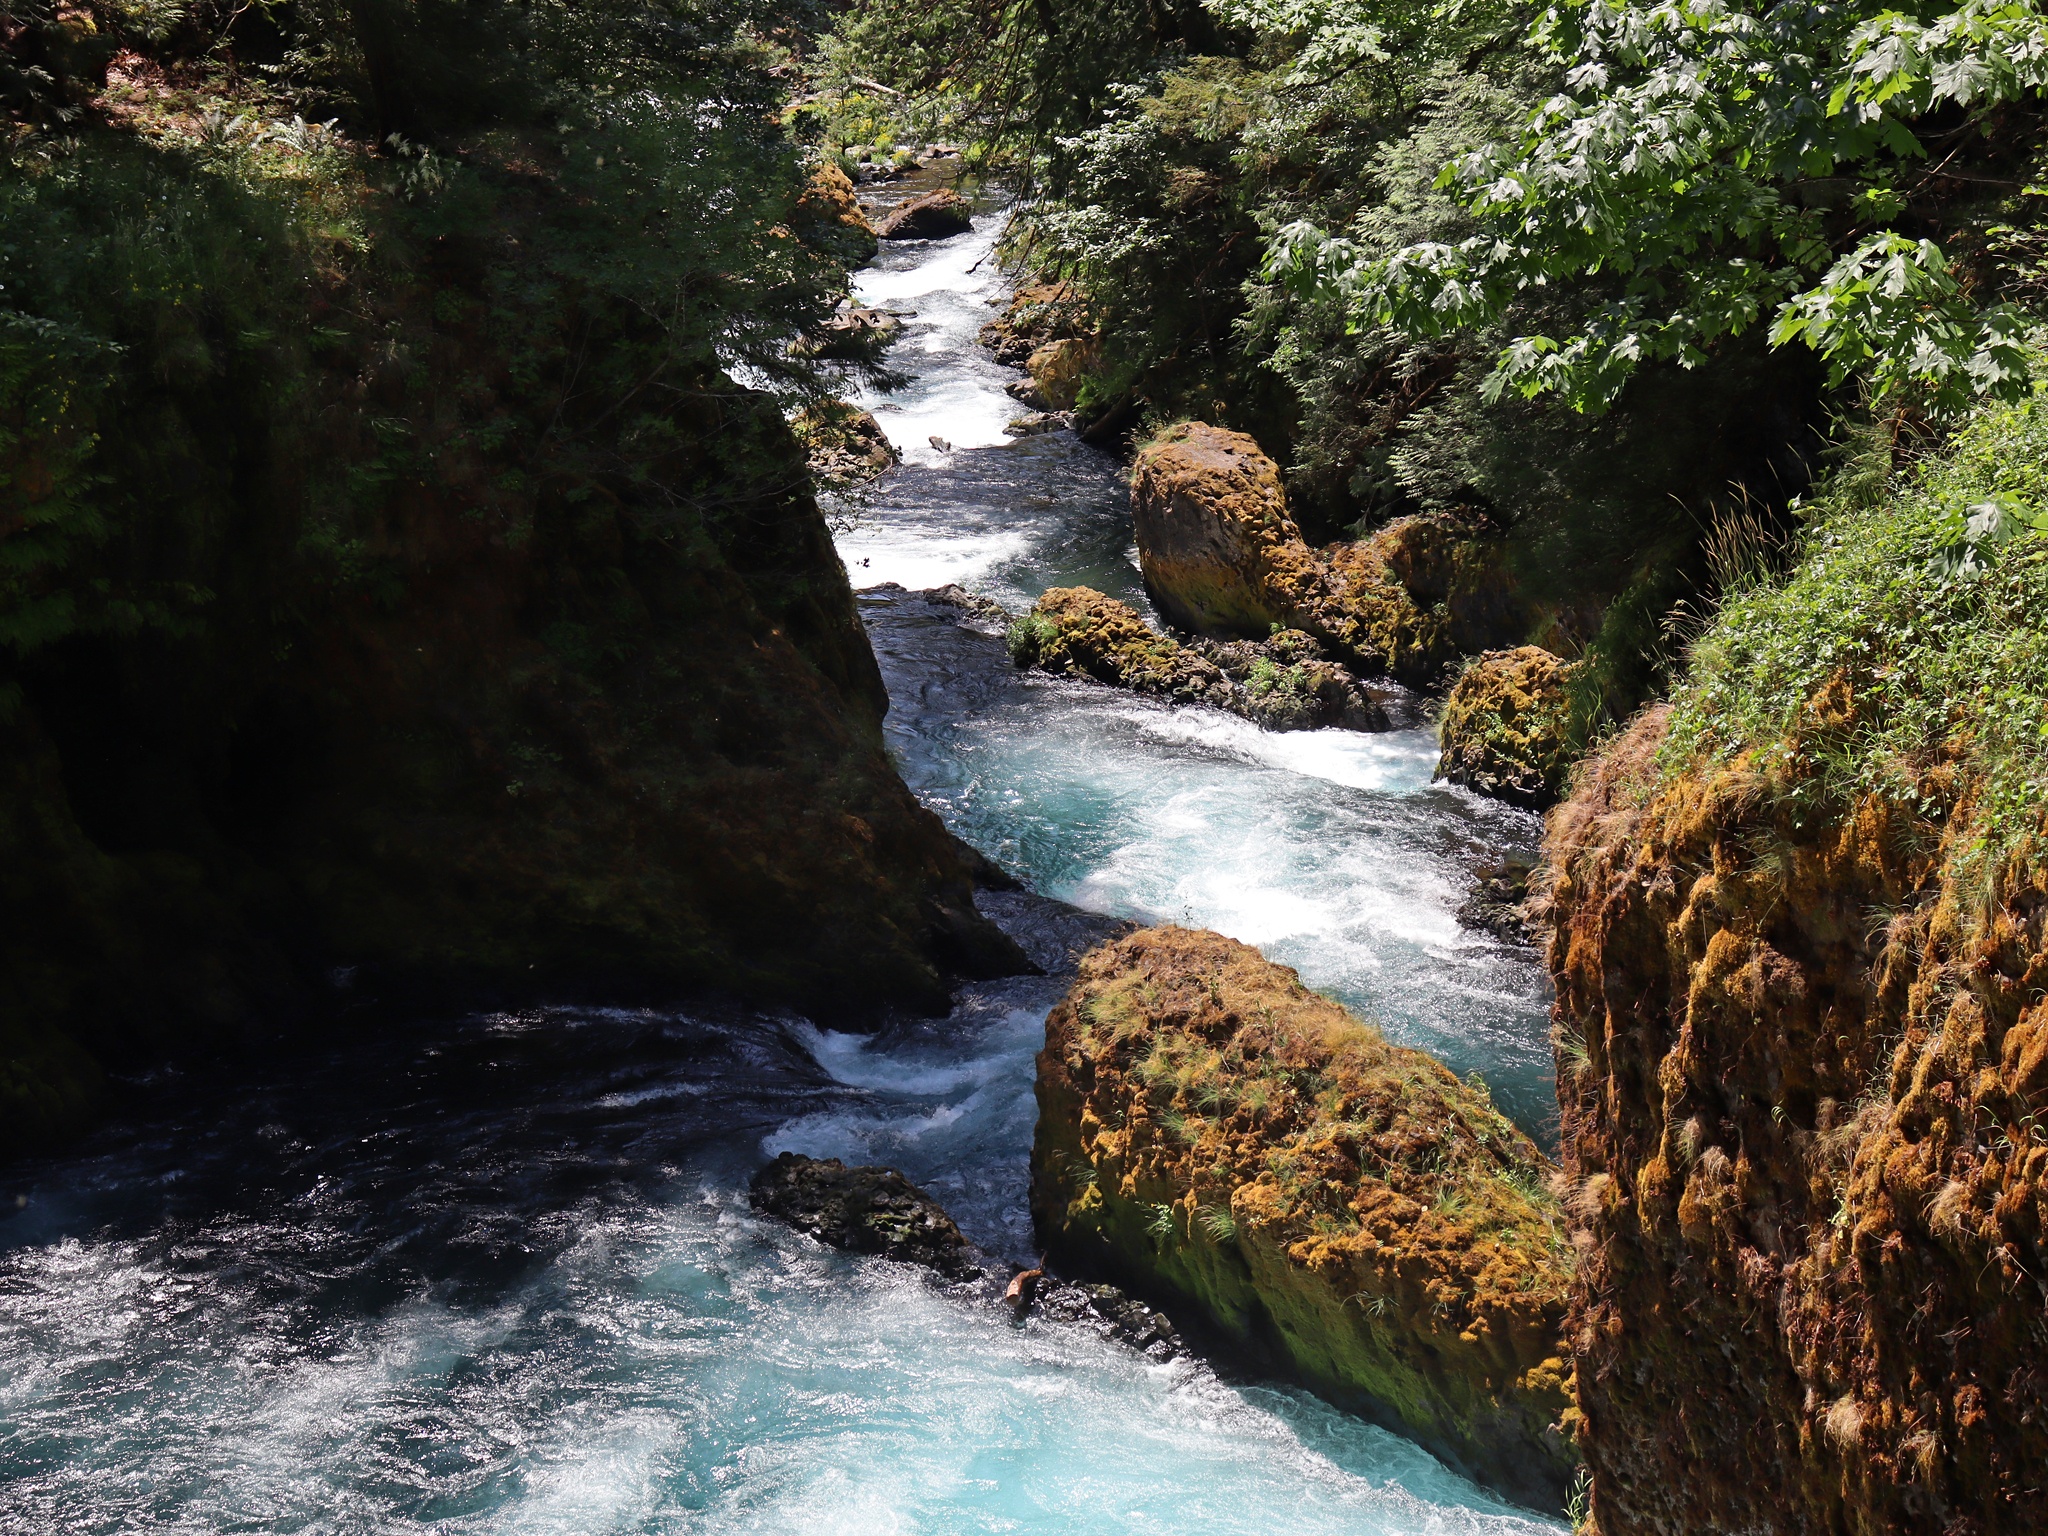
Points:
(498, 1273)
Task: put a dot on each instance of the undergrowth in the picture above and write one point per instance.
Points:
(1906, 653)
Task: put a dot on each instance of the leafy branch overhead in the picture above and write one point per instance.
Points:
(1714, 168)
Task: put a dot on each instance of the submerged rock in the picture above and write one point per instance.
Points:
(865, 1210)
(1509, 728)
(1282, 683)
(1212, 1132)
(934, 216)
(878, 1211)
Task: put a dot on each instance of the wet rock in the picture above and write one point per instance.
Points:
(1283, 683)
(972, 604)
(1509, 727)
(1055, 934)
(844, 444)
(1213, 1133)
(1113, 1314)
(934, 216)
(1039, 422)
(865, 1210)
(1498, 903)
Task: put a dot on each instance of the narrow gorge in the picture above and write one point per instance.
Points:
(1082, 767)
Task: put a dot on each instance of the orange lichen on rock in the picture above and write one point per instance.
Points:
(1221, 554)
(1802, 1059)
(1508, 727)
(1213, 1132)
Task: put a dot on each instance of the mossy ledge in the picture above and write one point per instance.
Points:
(1217, 1137)
(1799, 931)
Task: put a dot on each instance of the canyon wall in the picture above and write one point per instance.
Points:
(1802, 1050)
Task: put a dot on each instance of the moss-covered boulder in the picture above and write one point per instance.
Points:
(1222, 555)
(1509, 727)
(1283, 683)
(1219, 552)
(1215, 1135)
(1080, 631)
(1059, 369)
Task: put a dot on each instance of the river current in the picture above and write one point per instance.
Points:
(498, 1273)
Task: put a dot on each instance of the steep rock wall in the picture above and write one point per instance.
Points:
(1801, 1066)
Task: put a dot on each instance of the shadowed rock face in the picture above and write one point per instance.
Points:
(1508, 728)
(1219, 1138)
(865, 1210)
(625, 752)
(933, 216)
(1799, 1073)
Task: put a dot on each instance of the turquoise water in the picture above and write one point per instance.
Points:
(1331, 850)
(497, 1274)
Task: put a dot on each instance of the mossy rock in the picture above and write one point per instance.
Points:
(1510, 728)
(1218, 1137)
(1284, 683)
(1222, 556)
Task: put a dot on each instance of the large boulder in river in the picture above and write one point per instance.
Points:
(1216, 1137)
(1221, 555)
(1509, 727)
(1219, 552)
(933, 216)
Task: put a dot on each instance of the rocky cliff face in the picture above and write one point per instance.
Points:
(433, 624)
(1217, 1137)
(1802, 1062)
(616, 752)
